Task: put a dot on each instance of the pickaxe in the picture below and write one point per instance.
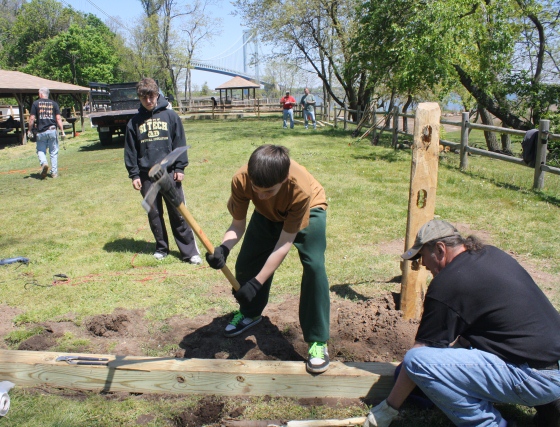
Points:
(163, 183)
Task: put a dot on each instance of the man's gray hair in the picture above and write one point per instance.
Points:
(45, 91)
(471, 243)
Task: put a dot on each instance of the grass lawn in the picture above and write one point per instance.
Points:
(88, 224)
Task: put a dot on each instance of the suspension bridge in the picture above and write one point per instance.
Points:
(240, 59)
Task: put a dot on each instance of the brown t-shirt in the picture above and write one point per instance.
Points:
(291, 205)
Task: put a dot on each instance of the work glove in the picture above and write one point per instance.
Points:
(29, 134)
(381, 415)
(248, 290)
(62, 135)
(217, 260)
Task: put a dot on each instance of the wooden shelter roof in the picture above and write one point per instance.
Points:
(238, 83)
(17, 82)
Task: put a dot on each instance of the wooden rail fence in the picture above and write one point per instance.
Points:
(463, 146)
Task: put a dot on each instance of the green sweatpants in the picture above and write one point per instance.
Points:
(311, 242)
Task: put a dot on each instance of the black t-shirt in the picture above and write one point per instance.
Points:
(45, 110)
(489, 299)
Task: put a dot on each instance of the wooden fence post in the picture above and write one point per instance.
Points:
(345, 117)
(335, 116)
(540, 159)
(374, 124)
(421, 202)
(463, 156)
(396, 111)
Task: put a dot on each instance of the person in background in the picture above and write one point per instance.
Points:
(288, 103)
(45, 114)
(487, 335)
(308, 104)
(151, 135)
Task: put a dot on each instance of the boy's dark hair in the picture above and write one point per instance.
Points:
(269, 165)
(147, 87)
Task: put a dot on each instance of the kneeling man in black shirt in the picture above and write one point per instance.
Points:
(488, 334)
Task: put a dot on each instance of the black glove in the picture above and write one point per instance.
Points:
(217, 260)
(248, 290)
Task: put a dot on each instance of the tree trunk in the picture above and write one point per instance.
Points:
(506, 143)
(490, 103)
(404, 110)
(491, 140)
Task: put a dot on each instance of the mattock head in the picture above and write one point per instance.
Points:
(161, 182)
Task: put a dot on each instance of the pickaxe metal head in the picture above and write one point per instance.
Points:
(82, 360)
(162, 181)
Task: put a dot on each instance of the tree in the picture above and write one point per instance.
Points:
(35, 23)
(481, 44)
(316, 33)
(78, 56)
(162, 51)
(205, 90)
(199, 28)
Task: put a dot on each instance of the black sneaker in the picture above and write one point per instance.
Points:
(318, 360)
(240, 324)
(44, 170)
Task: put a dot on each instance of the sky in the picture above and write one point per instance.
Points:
(130, 10)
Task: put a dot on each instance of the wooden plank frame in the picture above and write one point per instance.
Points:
(197, 376)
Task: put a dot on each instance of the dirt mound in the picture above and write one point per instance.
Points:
(208, 411)
(106, 325)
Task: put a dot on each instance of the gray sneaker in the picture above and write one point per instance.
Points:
(196, 260)
(318, 358)
(240, 324)
(159, 256)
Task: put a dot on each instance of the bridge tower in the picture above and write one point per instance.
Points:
(247, 55)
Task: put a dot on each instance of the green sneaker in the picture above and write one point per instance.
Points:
(318, 360)
(240, 324)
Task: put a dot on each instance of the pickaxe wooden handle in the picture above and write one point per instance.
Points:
(209, 247)
(163, 183)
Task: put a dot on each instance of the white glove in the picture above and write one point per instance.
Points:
(62, 135)
(29, 134)
(381, 415)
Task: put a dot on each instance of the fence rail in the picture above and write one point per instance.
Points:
(463, 146)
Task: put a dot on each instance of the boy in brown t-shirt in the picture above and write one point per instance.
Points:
(290, 209)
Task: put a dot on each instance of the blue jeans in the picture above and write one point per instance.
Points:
(464, 383)
(309, 115)
(289, 114)
(48, 140)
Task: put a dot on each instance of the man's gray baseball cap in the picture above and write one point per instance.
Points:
(432, 230)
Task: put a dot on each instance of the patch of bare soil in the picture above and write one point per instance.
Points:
(367, 330)
(370, 330)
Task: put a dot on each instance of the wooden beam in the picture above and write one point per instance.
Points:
(198, 376)
(421, 201)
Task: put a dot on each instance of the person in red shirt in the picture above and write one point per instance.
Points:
(288, 103)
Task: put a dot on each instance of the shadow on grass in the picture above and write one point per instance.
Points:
(118, 142)
(553, 200)
(209, 342)
(37, 176)
(129, 245)
(345, 291)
